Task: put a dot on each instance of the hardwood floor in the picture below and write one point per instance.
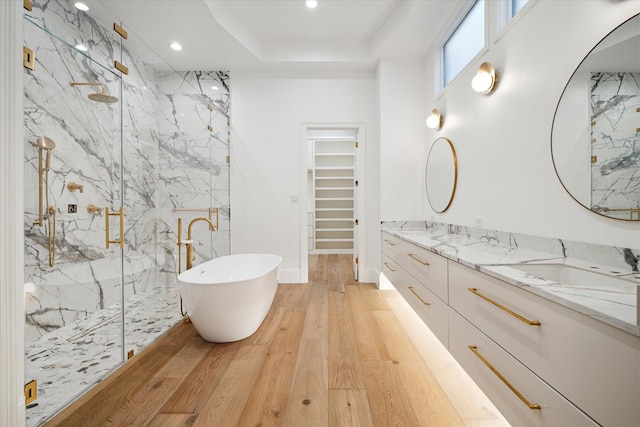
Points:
(330, 353)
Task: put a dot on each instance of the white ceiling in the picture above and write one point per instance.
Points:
(283, 35)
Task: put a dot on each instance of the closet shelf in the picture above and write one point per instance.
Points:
(334, 188)
(333, 240)
(334, 168)
(320, 230)
(326, 199)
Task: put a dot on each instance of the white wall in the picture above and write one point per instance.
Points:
(266, 164)
(506, 176)
(402, 133)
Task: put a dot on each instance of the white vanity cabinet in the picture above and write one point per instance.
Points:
(416, 284)
(593, 365)
(579, 370)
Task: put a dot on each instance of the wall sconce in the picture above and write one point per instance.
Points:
(485, 79)
(434, 121)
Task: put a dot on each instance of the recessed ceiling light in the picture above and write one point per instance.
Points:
(175, 46)
(311, 4)
(81, 47)
(215, 87)
(81, 6)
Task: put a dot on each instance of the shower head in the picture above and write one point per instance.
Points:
(102, 96)
(45, 143)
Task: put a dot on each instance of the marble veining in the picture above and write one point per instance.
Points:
(160, 153)
(75, 357)
(498, 254)
(615, 176)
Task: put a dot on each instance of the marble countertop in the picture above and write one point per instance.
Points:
(614, 302)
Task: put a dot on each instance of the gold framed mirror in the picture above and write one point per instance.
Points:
(441, 174)
(595, 136)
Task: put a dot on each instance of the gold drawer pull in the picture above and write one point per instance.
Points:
(530, 405)
(392, 243)
(502, 307)
(389, 267)
(418, 296)
(423, 262)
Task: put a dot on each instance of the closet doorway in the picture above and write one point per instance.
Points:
(332, 191)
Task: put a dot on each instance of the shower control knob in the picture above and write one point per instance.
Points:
(72, 186)
(94, 210)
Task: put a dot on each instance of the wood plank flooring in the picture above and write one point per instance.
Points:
(330, 353)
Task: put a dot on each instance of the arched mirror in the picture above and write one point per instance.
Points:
(595, 138)
(441, 174)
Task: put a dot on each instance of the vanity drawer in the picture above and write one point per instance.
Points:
(431, 309)
(391, 245)
(554, 409)
(429, 268)
(595, 366)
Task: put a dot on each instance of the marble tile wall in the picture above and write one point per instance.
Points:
(615, 182)
(171, 160)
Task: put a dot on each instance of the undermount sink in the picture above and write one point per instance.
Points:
(575, 276)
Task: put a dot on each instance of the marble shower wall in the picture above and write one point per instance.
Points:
(194, 126)
(615, 176)
(171, 160)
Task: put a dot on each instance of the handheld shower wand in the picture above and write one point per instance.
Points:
(46, 143)
(43, 143)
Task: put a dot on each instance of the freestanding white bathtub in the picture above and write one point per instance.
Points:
(228, 298)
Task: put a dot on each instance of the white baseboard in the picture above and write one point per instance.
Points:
(290, 276)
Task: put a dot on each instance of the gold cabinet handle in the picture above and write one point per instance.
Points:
(421, 261)
(418, 296)
(392, 243)
(530, 405)
(389, 267)
(120, 213)
(502, 307)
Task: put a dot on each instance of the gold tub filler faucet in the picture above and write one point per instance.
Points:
(189, 244)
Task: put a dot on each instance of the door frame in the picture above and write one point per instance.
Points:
(361, 192)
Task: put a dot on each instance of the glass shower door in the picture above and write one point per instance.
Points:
(73, 289)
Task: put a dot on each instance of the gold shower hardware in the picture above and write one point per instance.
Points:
(119, 213)
(118, 29)
(98, 97)
(415, 257)
(524, 400)
(28, 4)
(51, 234)
(92, 209)
(630, 210)
(121, 67)
(210, 128)
(210, 107)
(72, 186)
(502, 307)
(594, 159)
(30, 391)
(28, 58)
(411, 288)
(43, 143)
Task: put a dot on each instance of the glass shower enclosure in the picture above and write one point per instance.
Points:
(118, 146)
